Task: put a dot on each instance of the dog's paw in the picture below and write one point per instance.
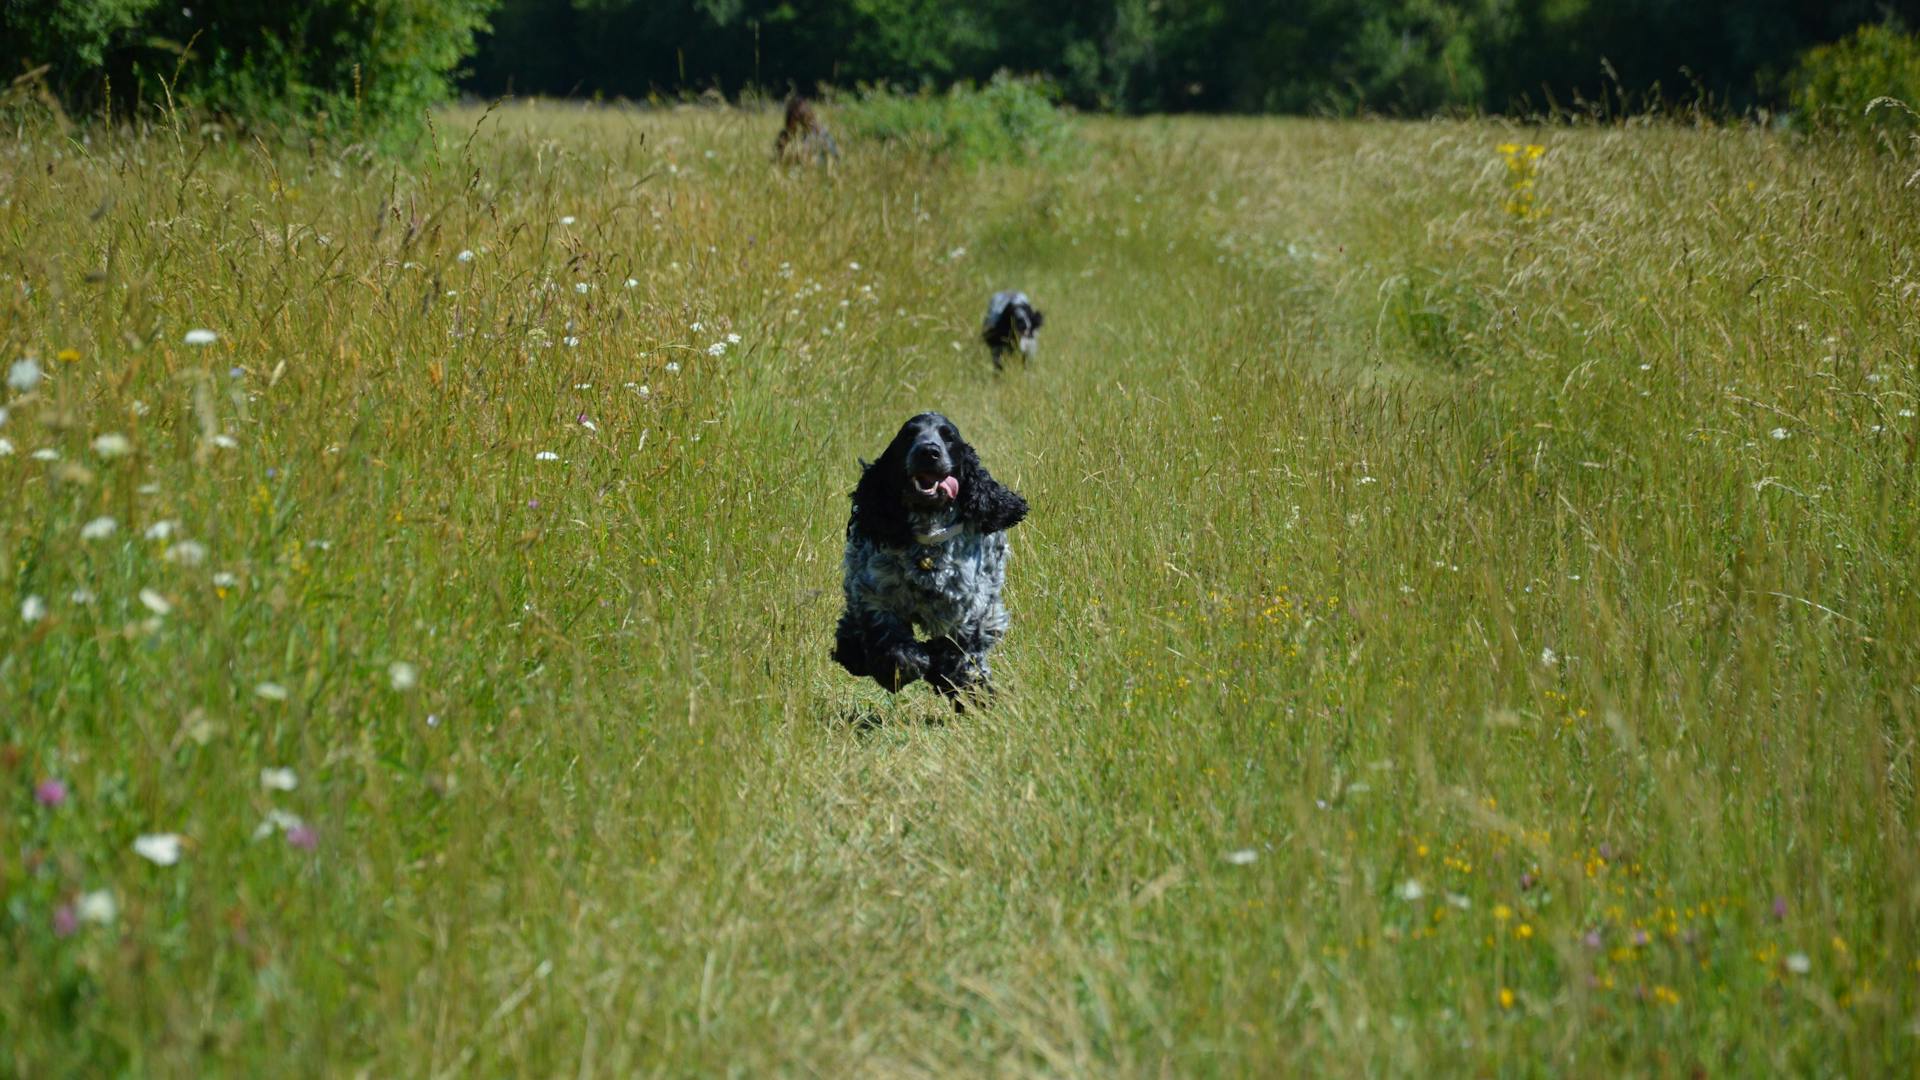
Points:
(901, 667)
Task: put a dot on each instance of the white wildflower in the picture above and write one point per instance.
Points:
(226, 442)
(1549, 657)
(6, 447)
(81, 596)
(633, 283)
(582, 287)
(162, 530)
(1779, 433)
(187, 553)
(45, 454)
(567, 219)
(570, 341)
(270, 691)
(98, 529)
(465, 256)
(1798, 963)
(154, 602)
(957, 253)
(281, 779)
(161, 849)
(112, 445)
(1459, 900)
(696, 327)
(1411, 890)
(32, 609)
(673, 366)
(97, 907)
(201, 337)
(223, 579)
(24, 375)
(403, 676)
(718, 348)
(546, 455)
(1242, 857)
(733, 339)
(277, 820)
(853, 266)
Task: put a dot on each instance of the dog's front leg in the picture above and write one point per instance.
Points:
(879, 645)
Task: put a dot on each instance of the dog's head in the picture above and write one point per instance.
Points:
(929, 470)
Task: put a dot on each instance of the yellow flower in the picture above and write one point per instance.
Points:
(1506, 998)
(1501, 912)
(1508, 148)
(68, 356)
(1665, 995)
(1524, 931)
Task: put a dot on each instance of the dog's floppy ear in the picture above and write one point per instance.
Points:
(1038, 318)
(985, 503)
(877, 512)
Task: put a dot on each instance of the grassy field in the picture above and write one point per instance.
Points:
(1463, 626)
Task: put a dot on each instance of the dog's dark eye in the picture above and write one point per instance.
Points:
(948, 433)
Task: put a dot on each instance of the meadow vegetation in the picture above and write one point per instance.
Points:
(1461, 627)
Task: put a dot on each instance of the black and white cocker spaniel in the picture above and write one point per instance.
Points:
(1011, 323)
(926, 549)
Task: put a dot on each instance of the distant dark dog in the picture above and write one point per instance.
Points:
(1012, 323)
(803, 136)
(926, 548)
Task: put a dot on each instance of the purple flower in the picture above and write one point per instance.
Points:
(65, 921)
(50, 793)
(1526, 881)
(235, 372)
(1779, 908)
(303, 837)
(1640, 939)
(272, 472)
(1606, 851)
(1592, 940)
(533, 504)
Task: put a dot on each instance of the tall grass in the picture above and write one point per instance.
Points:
(1444, 640)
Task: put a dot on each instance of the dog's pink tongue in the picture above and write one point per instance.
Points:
(950, 487)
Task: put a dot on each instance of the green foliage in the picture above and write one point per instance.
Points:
(1008, 119)
(1443, 644)
(1834, 86)
(355, 67)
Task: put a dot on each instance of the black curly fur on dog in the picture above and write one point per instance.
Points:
(926, 550)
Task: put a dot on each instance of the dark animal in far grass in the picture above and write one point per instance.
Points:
(1012, 323)
(803, 137)
(926, 549)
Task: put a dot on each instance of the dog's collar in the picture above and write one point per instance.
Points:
(938, 536)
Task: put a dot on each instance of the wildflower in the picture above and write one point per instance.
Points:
(582, 287)
(24, 375)
(465, 256)
(1411, 890)
(97, 907)
(50, 793)
(276, 819)
(162, 530)
(45, 454)
(225, 441)
(236, 372)
(201, 337)
(1549, 657)
(1665, 995)
(112, 445)
(633, 283)
(546, 455)
(154, 602)
(223, 579)
(68, 356)
(718, 348)
(853, 266)
(32, 609)
(1524, 931)
(1799, 963)
(1779, 433)
(270, 691)
(733, 339)
(1459, 900)
(161, 849)
(1506, 998)
(567, 219)
(1501, 912)
(187, 553)
(957, 253)
(1242, 857)
(281, 779)
(570, 341)
(1779, 908)
(303, 837)
(65, 921)
(6, 447)
(587, 423)
(1592, 940)
(403, 676)
(673, 366)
